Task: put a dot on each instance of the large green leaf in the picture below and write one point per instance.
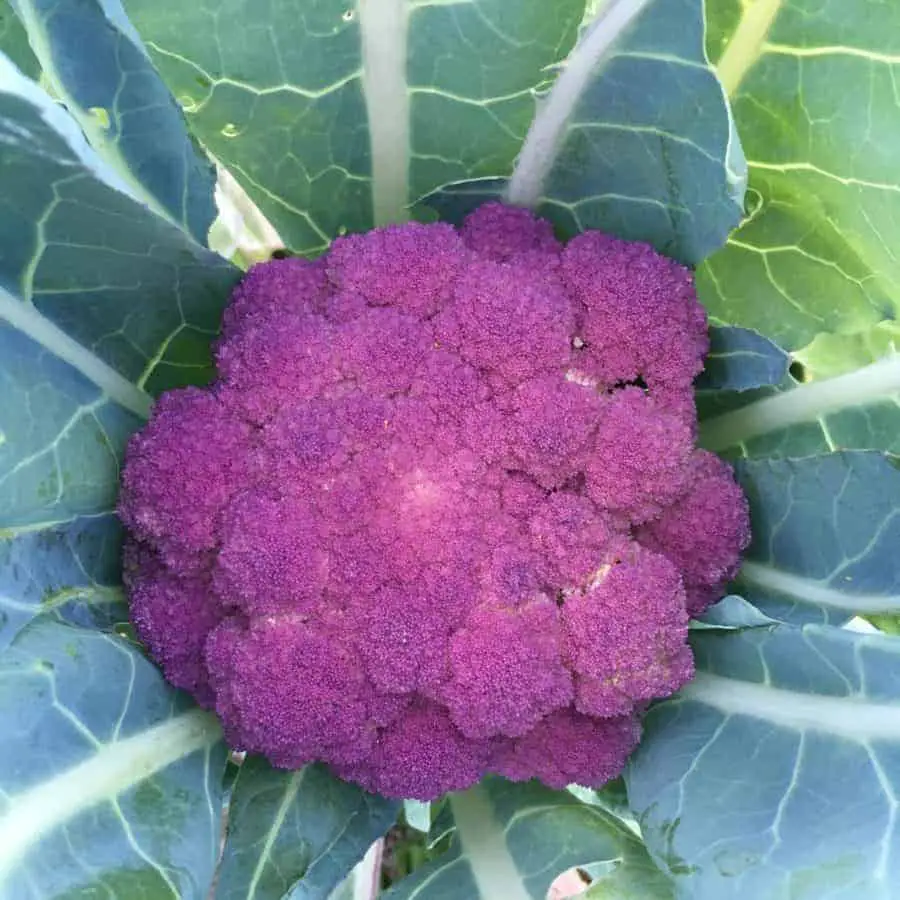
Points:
(98, 67)
(774, 774)
(635, 138)
(814, 91)
(106, 772)
(101, 303)
(296, 834)
(336, 115)
(825, 534)
(513, 840)
(95, 63)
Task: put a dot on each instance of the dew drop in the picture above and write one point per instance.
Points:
(188, 104)
(230, 130)
(348, 15)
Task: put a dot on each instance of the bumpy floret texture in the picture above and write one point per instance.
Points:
(441, 513)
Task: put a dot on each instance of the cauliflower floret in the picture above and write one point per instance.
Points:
(626, 633)
(506, 670)
(441, 513)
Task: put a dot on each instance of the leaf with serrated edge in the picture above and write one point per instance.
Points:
(816, 252)
(111, 769)
(775, 772)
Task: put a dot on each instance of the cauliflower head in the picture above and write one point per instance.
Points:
(441, 513)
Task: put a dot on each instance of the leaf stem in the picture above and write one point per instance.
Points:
(804, 403)
(25, 318)
(113, 769)
(483, 844)
(850, 717)
(548, 128)
(383, 31)
(746, 44)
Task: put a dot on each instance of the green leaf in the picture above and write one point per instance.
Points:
(296, 834)
(825, 535)
(69, 569)
(740, 359)
(99, 69)
(107, 771)
(107, 768)
(101, 303)
(89, 274)
(814, 95)
(829, 355)
(513, 840)
(856, 410)
(342, 115)
(14, 43)
(774, 774)
(636, 137)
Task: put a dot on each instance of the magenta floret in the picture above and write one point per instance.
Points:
(441, 513)
(182, 471)
(271, 556)
(256, 671)
(552, 422)
(506, 670)
(569, 748)
(421, 755)
(704, 532)
(271, 290)
(626, 633)
(639, 459)
(642, 317)
(173, 616)
(502, 232)
(509, 321)
(411, 267)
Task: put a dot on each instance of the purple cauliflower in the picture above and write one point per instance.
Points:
(442, 513)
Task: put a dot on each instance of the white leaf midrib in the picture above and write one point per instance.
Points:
(807, 402)
(25, 318)
(384, 27)
(116, 767)
(547, 131)
(813, 592)
(483, 846)
(850, 717)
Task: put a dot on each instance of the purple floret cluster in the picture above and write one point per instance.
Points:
(441, 513)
